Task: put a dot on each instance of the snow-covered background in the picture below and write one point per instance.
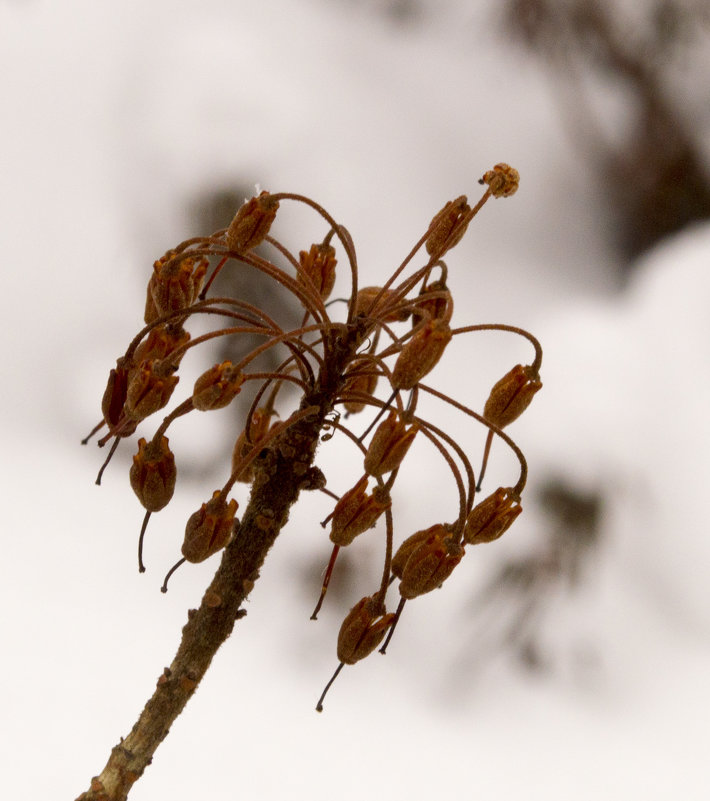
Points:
(116, 120)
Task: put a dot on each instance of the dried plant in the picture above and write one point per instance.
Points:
(392, 335)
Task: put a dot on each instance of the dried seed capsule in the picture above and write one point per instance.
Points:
(405, 550)
(431, 560)
(174, 285)
(366, 297)
(492, 517)
(357, 511)
(502, 180)
(362, 630)
(420, 354)
(511, 396)
(115, 394)
(217, 387)
(161, 342)
(319, 265)
(209, 529)
(150, 386)
(153, 473)
(251, 223)
(360, 378)
(440, 307)
(447, 227)
(389, 445)
(151, 313)
(260, 423)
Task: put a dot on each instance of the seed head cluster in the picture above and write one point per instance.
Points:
(374, 353)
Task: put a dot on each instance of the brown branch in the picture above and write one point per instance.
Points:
(281, 474)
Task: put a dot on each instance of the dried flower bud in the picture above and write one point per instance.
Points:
(153, 473)
(492, 517)
(161, 342)
(209, 529)
(150, 386)
(357, 511)
(405, 550)
(151, 313)
(360, 378)
(319, 265)
(115, 394)
(251, 223)
(260, 423)
(217, 387)
(447, 227)
(365, 299)
(511, 396)
(362, 630)
(389, 445)
(502, 180)
(420, 354)
(440, 307)
(426, 560)
(174, 285)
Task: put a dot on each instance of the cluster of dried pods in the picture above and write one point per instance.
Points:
(333, 364)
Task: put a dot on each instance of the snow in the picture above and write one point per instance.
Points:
(632, 371)
(116, 118)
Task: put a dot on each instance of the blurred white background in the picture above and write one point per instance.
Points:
(568, 660)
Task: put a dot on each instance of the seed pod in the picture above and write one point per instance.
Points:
(502, 180)
(433, 308)
(389, 445)
(217, 387)
(362, 630)
(420, 354)
(511, 396)
(114, 397)
(259, 429)
(209, 529)
(492, 517)
(447, 227)
(319, 265)
(430, 561)
(366, 297)
(251, 223)
(161, 342)
(440, 307)
(153, 473)
(150, 386)
(174, 285)
(357, 511)
(407, 548)
(151, 312)
(359, 378)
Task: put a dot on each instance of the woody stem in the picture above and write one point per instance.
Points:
(276, 488)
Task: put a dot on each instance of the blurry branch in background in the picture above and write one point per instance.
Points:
(511, 609)
(650, 166)
(398, 12)
(389, 336)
